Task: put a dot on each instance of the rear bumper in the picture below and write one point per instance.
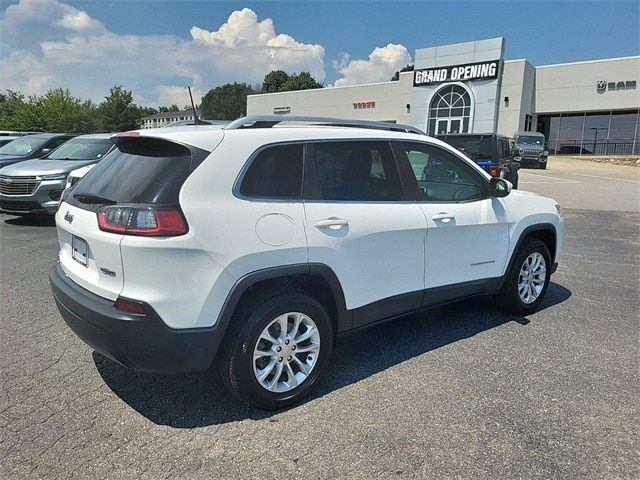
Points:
(140, 342)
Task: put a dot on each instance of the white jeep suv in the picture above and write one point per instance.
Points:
(252, 248)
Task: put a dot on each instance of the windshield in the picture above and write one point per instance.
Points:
(530, 140)
(81, 149)
(476, 148)
(21, 147)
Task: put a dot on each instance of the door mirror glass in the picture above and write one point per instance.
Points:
(499, 187)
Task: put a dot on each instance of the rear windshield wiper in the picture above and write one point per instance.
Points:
(93, 199)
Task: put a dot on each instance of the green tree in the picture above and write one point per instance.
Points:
(118, 113)
(226, 102)
(301, 81)
(59, 111)
(274, 81)
(146, 111)
(12, 105)
(406, 68)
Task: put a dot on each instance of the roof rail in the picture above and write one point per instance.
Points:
(268, 121)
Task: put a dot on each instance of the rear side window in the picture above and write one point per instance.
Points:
(276, 172)
(139, 171)
(352, 171)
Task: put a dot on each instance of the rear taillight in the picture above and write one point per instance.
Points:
(142, 220)
(494, 171)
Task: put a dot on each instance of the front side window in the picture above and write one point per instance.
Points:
(276, 172)
(21, 147)
(357, 171)
(440, 175)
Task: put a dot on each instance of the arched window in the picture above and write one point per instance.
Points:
(450, 110)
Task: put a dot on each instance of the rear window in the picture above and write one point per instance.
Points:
(138, 171)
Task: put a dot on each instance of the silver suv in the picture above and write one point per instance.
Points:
(35, 186)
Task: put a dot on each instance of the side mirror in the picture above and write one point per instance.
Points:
(499, 187)
(45, 151)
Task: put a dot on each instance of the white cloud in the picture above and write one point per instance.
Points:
(382, 64)
(175, 95)
(48, 44)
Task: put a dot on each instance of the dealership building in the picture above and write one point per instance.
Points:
(589, 107)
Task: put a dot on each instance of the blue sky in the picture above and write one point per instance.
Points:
(333, 39)
(545, 32)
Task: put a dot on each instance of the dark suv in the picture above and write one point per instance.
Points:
(31, 146)
(491, 151)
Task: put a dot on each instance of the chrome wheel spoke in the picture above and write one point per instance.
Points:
(292, 381)
(283, 321)
(264, 373)
(261, 353)
(265, 335)
(276, 377)
(312, 347)
(304, 368)
(306, 335)
(296, 324)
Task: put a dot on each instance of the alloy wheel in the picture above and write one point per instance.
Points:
(533, 274)
(286, 352)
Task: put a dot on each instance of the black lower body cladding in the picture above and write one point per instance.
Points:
(140, 342)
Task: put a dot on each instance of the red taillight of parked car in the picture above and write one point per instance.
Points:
(142, 220)
(494, 171)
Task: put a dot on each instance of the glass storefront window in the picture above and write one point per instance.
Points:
(602, 133)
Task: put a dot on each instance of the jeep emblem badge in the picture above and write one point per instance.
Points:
(68, 217)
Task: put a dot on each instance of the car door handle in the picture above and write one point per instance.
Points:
(443, 216)
(332, 222)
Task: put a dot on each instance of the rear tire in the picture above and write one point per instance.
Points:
(266, 367)
(528, 278)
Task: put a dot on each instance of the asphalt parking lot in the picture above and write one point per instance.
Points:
(462, 391)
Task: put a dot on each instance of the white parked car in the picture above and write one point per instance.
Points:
(75, 175)
(252, 248)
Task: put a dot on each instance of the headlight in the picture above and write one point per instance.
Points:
(57, 176)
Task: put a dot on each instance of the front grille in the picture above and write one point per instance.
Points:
(531, 153)
(17, 185)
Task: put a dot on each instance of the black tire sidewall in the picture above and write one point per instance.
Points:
(240, 361)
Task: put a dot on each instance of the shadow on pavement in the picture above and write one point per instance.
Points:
(194, 400)
(32, 220)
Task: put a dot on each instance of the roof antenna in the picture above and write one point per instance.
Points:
(196, 120)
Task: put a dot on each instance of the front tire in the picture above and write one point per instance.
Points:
(528, 278)
(276, 350)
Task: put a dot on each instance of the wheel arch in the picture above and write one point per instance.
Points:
(319, 280)
(546, 232)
